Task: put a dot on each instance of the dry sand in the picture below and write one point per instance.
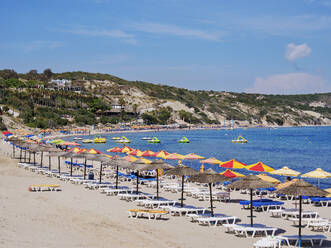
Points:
(78, 217)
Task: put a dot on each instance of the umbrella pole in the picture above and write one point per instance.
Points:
(24, 156)
(49, 162)
(41, 159)
(182, 198)
(85, 169)
(71, 166)
(34, 159)
(58, 164)
(318, 182)
(251, 207)
(211, 200)
(300, 218)
(137, 182)
(20, 155)
(117, 177)
(13, 151)
(157, 183)
(29, 157)
(100, 173)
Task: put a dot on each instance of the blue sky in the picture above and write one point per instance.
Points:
(274, 46)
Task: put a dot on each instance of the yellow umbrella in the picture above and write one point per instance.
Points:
(144, 160)
(318, 173)
(233, 164)
(211, 161)
(285, 171)
(260, 167)
(269, 179)
(174, 156)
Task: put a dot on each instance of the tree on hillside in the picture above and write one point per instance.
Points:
(8, 73)
(48, 73)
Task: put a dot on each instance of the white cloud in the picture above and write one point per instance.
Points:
(158, 28)
(30, 46)
(294, 52)
(291, 83)
(114, 33)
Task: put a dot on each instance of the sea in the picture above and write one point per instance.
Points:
(299, 148)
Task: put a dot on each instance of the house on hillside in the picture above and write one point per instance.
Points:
(63, 84)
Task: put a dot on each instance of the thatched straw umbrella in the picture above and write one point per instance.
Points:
(118, 162)
(205, 177)
(301, 188)
(250, 182)
(158, 165)
(138, 165)
(58, 155)
(182, 171)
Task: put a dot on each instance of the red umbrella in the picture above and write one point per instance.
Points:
(147, 153)
(114, 149)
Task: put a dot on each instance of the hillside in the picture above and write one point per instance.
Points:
(94, 98)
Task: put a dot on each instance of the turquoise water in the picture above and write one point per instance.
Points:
(302, 149)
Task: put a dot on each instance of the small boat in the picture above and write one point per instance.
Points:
(183, 140)
(146, 138)
(123, 140)
(154, 140)
(240, 139)
(77, 138)
(87, 141)
(99, 139)
(116, 138)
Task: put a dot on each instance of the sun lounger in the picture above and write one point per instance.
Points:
(268, 242)
(321, 201)
(290, 239)
(150, 214)
(294, 213)
(318, 224)
(114, 191)
(217, 220)
(173, 210)
(155, 203)
(133, 197)
(247, 230)
(44, 187)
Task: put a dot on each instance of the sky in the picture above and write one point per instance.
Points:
(257, 46)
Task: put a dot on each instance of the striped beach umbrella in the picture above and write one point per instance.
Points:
(147, 153)
(260, 167)
(231, 174)
(114, 149)
(193, 156)
(232, 164)
(211, 161)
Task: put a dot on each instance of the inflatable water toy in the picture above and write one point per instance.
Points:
(116, 138)
(123, 140)
(78, 138)
(146, 138)
(240, 139)
(184, 140)
(87, 141)
(154, 140)
(99, 139)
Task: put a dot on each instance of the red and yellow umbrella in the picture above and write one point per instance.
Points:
(130, 158)
(114, 149)
(211, 161)
(136, 152)
(94, 151)
(161, 154)
(231, 174)
(260, 167)
(147, 153)
(233, 164)
(174, 156)
(125, 149)
(193, 156)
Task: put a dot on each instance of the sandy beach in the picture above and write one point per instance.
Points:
(79, 217)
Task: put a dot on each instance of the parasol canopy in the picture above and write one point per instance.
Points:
(285, 171)
(269, 179)
(147, 153)
(232, 164)
(174, 156)
(114, 149)
(193, 156)
(211, 160)
(318, 173)
(260, 167)
(161, 154)
(231, 174)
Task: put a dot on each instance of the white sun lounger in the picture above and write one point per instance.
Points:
(248, 231)
(118, 191)
(304, 238)
(155, 203)
(318, 224)
(133, 197)
(184, 210)
(268, 242)
(214, 221)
